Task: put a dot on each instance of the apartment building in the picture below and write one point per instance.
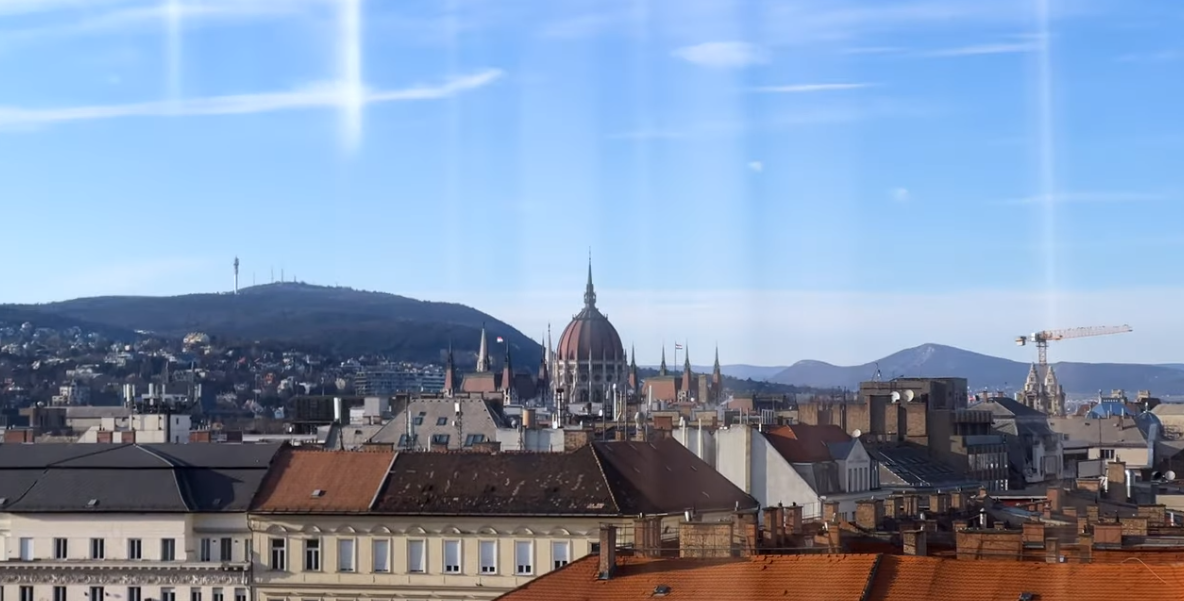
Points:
(462, 525)
(136, 522)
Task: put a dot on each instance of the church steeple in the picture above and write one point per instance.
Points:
(589, 289)
(483, 353)
(662, 368)
(449, 372)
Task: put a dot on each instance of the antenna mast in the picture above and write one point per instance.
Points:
(236, 275)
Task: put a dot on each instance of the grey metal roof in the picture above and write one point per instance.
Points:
(80, 478)
(910, 465)
(437, 417)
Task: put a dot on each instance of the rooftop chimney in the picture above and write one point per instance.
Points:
(608, 551)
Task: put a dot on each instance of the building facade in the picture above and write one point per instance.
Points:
(333, 525)
(161, 522)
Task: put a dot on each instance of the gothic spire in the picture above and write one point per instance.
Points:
(716, 368)
(483, 353)
(662, 368)
(686, 352)
(589, 290)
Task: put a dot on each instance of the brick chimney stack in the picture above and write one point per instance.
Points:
(608, 551)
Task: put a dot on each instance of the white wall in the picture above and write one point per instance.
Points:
(120, 572)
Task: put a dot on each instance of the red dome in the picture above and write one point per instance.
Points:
(590, 335)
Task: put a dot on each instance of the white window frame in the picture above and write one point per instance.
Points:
(168, 594)
(383, 566)
(422, 568)
(168, 549)
(61, 548)
(25, 593)
(98, 548)
(135, 549)
(524, 568)
(347, 562)
(482, 547)
(312, 560)
(26, 548)
(59, 593)
(205, 549)
(566, 547)
(135, 593)
(276, 551)
(454, 568)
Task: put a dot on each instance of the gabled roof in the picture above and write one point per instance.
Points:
(497, 484)
(802, 443)
(131, 478)
(1003, 407)
(317, 481)
(602, 479)
(665, 477)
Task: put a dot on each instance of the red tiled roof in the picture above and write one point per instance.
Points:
(829, 577)
(842, 577)
(348, 481)
(902, 578)
(804, 443)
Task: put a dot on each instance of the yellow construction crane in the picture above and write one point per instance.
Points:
(1043, 338)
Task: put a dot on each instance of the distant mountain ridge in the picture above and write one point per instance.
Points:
(335, 319)
(984, 371)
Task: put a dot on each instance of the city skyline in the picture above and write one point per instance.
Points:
(791, 180)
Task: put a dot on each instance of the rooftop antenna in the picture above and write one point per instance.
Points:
(236, 275)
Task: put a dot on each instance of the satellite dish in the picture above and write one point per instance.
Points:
(1169, 475)
(895, 396)
(909, 395)
(857, 433)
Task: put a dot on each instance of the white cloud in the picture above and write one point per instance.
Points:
(319, 96)
(808, 88)
(901, 194)
(1087, 198)
(722, 55)
(756, 166)
(851, 328)
(987, 49)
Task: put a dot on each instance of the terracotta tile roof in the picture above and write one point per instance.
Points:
(804, 443)
(924, 578)
(841, 577)
(347, 481)
(799, 577)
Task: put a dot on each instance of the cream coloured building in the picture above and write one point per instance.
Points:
(375, 524)
(127, 522)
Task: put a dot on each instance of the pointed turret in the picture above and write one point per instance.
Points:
(483, 353)
(633, 379)
(508, 376)
(662, 368)
(688, 379)
(1032, 384)
(449, 372)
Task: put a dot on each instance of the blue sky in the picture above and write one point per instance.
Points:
(791, 179)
